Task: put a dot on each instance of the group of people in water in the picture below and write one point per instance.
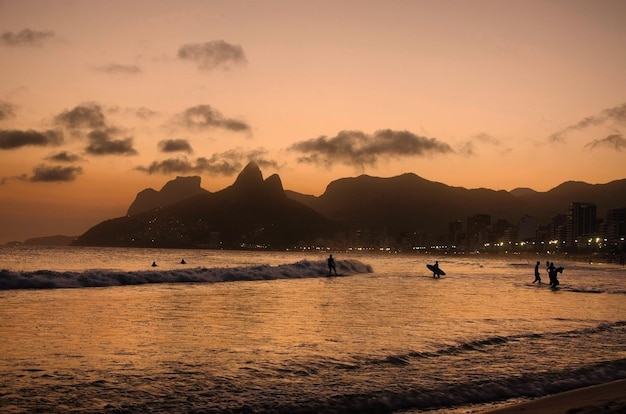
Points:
(550, 268)
(552, 273)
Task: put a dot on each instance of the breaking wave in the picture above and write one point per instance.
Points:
(48, 279)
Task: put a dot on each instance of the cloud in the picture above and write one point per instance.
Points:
(13, 138)
(103, 142)
(141, 112)
(7, 110)
(117, 69)
(613, 141)
(103, 139)
(468, 148)
(169, 166)
(487, 139)
(54, 173)
(213, 55)
(64, 156)
(88, 115)
(616, 114)
(227, 163)
(205, 117)
(26, 37)
(21, 177)
(175, 145)
(358, 149)
(145, 113)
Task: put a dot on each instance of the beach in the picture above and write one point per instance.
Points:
(609, 398)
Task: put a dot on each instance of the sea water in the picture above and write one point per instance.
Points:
(99, 330)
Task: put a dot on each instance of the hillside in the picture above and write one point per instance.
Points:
(254, 211)
(251, 213)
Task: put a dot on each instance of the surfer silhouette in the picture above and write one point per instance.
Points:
(537, 276)
(183, 261)
(154, 264)
(436, 270)
(553, 272)
(331, 265)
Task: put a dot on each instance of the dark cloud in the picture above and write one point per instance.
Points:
(616, 114)
(169, 166)
(117, 69)
(54, 173)
(7, 110)
(358, 149)
(13, 138)
(103, 139)
(26, 37)
(213, 55)
(227, 163)
(613, 141)
(64, 156)
(103, 142)
(205, 117)
(175, 145)
(88, 115)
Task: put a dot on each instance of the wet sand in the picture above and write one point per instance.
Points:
(609, 398)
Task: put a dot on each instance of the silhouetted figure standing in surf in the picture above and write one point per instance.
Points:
(436, 269)
(553, 271)
(537, 276)
(331, 265)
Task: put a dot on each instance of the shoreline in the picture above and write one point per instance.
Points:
(609, 398)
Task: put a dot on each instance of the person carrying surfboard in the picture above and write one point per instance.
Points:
(436, 270)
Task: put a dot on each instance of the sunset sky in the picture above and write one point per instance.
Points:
(101, 99)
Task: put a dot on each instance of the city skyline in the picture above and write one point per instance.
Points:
(99, 101)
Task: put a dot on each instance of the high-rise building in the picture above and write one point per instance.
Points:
(581, 222)
(616, 225)
(478, 231)
(527, 228)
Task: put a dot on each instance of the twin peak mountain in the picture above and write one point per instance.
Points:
(254, 212)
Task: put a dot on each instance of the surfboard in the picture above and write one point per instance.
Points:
(435, 270)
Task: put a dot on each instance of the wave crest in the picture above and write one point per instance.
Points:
(47, 279)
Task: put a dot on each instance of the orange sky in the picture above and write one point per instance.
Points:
(99, 100)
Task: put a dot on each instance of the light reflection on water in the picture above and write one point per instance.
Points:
(263, 344)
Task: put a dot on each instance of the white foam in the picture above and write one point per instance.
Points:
(47, 279)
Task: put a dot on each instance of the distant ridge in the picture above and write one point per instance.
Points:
(411, 203)
(57, 240)
(250, 213)
(258, 212)
(172, 192)
(522, 192)
(407, 203)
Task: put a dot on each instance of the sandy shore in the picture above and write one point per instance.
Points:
(607, 398)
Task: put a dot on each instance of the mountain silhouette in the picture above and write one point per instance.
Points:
(258, 212)
(173, 191)
(409, 203)
(544, 205)
(252, 212)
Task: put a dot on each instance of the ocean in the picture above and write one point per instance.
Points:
(99, 330)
